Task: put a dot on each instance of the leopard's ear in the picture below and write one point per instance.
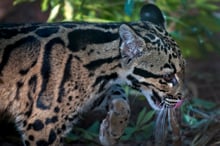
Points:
(152, 13)
(132, 45)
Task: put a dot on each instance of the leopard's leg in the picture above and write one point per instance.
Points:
(112, 127)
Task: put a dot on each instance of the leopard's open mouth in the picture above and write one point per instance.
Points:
(173, 103)
(169, 103)
(156, 102)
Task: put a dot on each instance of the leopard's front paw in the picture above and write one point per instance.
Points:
(112, 127)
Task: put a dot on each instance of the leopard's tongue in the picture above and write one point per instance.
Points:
(178, 104)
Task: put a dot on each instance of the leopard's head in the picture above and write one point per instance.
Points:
(152, 59)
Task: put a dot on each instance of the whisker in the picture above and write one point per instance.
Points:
(169, 119)
(161, 104)
(174, 126)
(160, 132)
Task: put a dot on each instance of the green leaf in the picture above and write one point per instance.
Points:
(147, 117)
(189, 120)
(127, 90)
(200, 123)
(148, 130)
(144, 117)
(141, 116)
(94, 128)
(203, 103)
(88, 136)
(149, 127)
(129, 4)
(54, 12)
(15, 2)
(44, 5)
(129, 131)
(71, 137)
(68, 10)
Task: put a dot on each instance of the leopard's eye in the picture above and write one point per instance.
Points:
(170, 78)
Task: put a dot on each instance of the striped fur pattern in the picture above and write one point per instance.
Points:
(50, 74)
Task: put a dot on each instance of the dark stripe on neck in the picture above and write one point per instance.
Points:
(66, 77)
(32, 84)
(146, 84)
(10, 31)
(151, 85)
(46, 31)
(134, 81)
(93, 65)
(19, 86)
(156, 97)
(79, 39)
(174, 68)
(46, 71)
(145, 73)
(171, 66)
(104, 79)
(25, 71)
(24, 42)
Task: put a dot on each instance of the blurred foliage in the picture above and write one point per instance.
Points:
(201, 119)
(200, 123)
(191, 22)
(85, 136)
(140, 130)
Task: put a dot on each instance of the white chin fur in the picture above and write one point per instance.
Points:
(148, 95)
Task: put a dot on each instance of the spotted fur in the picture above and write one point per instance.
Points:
(50, 74)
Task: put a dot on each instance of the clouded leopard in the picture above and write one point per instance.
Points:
(50, 74)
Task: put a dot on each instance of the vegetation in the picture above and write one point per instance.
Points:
(199, 124)
(191, 22)
(194, 26)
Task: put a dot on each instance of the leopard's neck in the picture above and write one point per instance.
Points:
(99, 53)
